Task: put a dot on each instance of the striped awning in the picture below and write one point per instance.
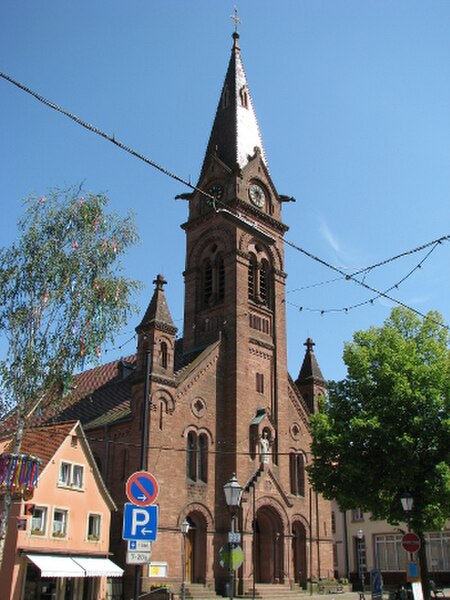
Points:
(52, 565)
(99, 567)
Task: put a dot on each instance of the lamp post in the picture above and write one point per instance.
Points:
(184, 529)
(360, 536)
(233, 494)
(407, 504)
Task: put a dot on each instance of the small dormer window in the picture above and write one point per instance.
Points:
(226, 97)
(243, 94)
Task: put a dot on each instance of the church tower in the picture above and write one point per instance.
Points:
(234, 278)
(220, 399)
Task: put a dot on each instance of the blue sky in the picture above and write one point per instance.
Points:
(353, 103)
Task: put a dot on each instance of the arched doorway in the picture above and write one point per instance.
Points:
(269, 543)
(299, 563)
(195, 549)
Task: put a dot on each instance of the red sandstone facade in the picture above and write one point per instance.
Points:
(217, 392)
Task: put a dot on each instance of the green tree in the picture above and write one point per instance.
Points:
(62, 295)
(385, 429)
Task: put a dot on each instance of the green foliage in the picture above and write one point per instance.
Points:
(385, 429)
(62, 292)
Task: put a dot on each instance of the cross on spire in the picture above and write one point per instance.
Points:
(235, 20)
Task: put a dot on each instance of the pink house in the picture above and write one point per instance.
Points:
(57, 542)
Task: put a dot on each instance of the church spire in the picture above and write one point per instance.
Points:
(235, 133)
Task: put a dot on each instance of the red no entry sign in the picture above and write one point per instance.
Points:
(411, 542)
(141, 488)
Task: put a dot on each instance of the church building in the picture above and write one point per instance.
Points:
(217, 404)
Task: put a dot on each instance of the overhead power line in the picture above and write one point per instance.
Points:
(209, 197)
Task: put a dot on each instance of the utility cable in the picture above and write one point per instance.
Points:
(211, 199)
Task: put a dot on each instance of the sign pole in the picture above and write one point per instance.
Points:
(144, 455)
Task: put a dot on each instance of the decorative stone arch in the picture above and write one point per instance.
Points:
(216, 235)
(196, 540)
(197, 507)
(271, 502)
(164, 396)
(272, 251)
(298, 459)
(271, 534)
(198, 443)
(198, 430)
(300, 529)
(163, 338)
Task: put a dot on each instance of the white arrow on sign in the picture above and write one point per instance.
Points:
(139, 545)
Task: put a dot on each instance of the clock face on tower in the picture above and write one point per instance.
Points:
(216, 190)
(257, 195)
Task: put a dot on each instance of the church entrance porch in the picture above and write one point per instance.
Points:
(269, 546)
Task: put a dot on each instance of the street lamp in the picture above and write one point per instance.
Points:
(233, 494)
(360, 536)
(184, 529)
(407, 504)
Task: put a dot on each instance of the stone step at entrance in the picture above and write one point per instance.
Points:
(274, 591)
(264, 591)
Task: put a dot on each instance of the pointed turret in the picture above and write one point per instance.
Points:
(156, 332)
(235, 133)
(310, 380)
(157, 311)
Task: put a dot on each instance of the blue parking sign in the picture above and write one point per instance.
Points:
(140, 522)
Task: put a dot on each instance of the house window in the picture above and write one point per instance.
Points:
(333, 522)
(389, 553)
(297, 473)
(197, 457)
(94, 527)
(64, 474)
(59, 525)
(77, 476)
(71, 475)
(357, 514)
(39, 520)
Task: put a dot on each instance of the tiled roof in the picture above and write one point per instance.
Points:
(98, 396)
(43, 442)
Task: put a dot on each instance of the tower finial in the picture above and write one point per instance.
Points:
(235, 20)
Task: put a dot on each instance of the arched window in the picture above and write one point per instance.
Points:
(191, 456)
(252, 267)
(264, 282)
(213, 278)
(203, 457)
(207, 282)
(197, 457)
(259, 279)
(163, 354)
(297, 473)
(220, 278)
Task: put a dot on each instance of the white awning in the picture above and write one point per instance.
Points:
(99, 567)
(74, 566)
(56, 566)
